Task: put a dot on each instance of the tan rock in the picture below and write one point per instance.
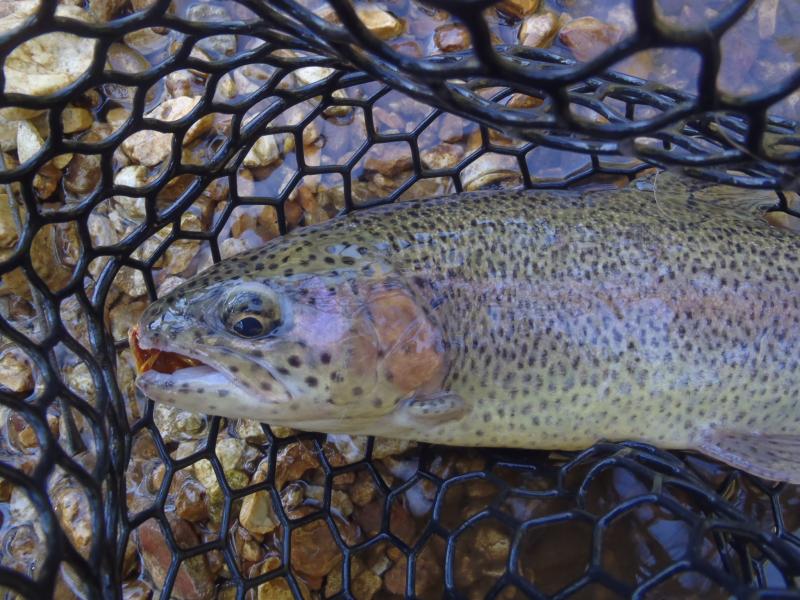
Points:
(588, 37)
(49, 62)
(194, 580)
(380, 23)
(451, 37)
(149, 147)
(16, 373)
(82, 174)
(105, 10)
(538, 31)
(444, 156)
(76, 119)
(314, 551)
(124, 316)
(518, 8)
(257, 515)
(491, 170)
(263, 153)
(8, 226)
(29, 141)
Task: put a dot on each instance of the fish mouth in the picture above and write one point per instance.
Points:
(160, 370)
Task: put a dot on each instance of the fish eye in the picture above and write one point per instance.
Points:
(251, 314)
(249, 327)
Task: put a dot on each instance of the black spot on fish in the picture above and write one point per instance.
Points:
(312, 381)
(294, 361)
(325, 358)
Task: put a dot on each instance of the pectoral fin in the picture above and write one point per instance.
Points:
(436, 408)
(773, 457)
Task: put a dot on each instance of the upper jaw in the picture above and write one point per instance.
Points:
(192, 362)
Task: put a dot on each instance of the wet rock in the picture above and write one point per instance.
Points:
(491, 171)
(136, 590)
(293, 462)
(75, 119)
(278, 588)
(147, 40)
(194, 580)
(16, 373)
(82, 174)
(381, 23)
(191, 499)
(105, 10)
(178, 425)
(366, 584)
(451, 37)
(72, 509)
(47, 63)
(247, 429)
(539, 31)
(24, 551)
(257, 515)
(444, 156)
(29, 141)
(149, 147)
(518, 8)
(216, 45)
(263, 153)
(385, 447)
(314, 551)
(124, 316)
(79, 380)
(767, 18)
(340, 502)
(390, 160)
(588, 37)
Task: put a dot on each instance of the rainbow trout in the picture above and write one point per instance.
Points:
(667, 312)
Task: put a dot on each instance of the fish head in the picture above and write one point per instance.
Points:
(329, 349)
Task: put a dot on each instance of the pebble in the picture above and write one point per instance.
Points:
(16, 373)
(257, 514)
(178, 425)
(215, 45)
(194, 580)
(313, 549)
(72, 509)
(451, 37)
(149, 147)
(105, 10)
(50, 62)
(263, 153)
(382, 24)
(491, 170)
(539, 31)
(588, 37)
(518, 8)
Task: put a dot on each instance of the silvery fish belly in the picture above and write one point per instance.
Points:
(667, 312)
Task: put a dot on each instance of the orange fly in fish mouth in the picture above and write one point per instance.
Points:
(155, 359)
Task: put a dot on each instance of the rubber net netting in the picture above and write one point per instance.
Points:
(143, 140)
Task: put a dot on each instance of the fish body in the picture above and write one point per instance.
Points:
(518, 319)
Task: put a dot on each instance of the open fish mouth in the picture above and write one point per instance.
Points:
(156, 359)
(160, 371)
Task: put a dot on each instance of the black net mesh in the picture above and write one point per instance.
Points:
(143, 140)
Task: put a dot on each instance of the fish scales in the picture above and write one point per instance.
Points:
(518, 319)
